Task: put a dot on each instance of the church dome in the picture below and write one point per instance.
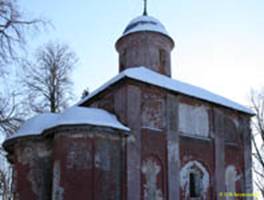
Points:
(145, 23)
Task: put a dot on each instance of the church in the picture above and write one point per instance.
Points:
(140, 136)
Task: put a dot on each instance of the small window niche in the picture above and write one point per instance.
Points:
(162, 55)
(122, 60)
(195, 185)
(162, 60)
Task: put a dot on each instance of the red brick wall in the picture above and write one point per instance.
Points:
(154, 149)
(90, 166)
(234, 156)
(23, 187)
(198, 150)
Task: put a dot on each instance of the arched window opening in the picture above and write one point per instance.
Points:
(194, 180)
(162, 57)
(195, 186)
(122, 60)
(162, 60)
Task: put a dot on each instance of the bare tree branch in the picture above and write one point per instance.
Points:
(10, 114)
(47, 79)
(13, 27)
(14, 31)
(257, 102)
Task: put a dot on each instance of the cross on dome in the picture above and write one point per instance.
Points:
(145, 12)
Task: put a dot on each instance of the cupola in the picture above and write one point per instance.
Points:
(145, 42)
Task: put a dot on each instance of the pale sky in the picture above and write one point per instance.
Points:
(219, 45)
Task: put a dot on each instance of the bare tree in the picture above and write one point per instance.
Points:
(11, 115)
(47, 80)
(257, 101)
(13, 27)
(6, 180)
(13, 30)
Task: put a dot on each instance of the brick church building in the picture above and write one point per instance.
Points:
(140, 136)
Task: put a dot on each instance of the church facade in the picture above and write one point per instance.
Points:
(142, 135)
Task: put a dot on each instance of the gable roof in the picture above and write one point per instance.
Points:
(148, 76)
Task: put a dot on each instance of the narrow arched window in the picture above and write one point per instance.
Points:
(122, 60)
(162, 57)
(194, 180)
(195, 184)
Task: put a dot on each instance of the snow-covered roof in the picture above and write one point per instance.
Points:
(91, 116)
(71, 116)
(148, 76)
(145, 23)
(36, 125)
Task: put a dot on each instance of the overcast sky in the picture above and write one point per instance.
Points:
(219, 44)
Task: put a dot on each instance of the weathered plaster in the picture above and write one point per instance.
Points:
(102, 157)
(153, 110)
(78, 157)
(33, 157)
(193, 120)
(57, 190)
(231, 177)
(173, 148)
(247, 154)
(185, 173)
(134, 148)
(144, 49)
(173, 151)
(151, 169)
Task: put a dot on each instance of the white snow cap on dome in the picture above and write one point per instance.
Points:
(72, 116)
(145, 23)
